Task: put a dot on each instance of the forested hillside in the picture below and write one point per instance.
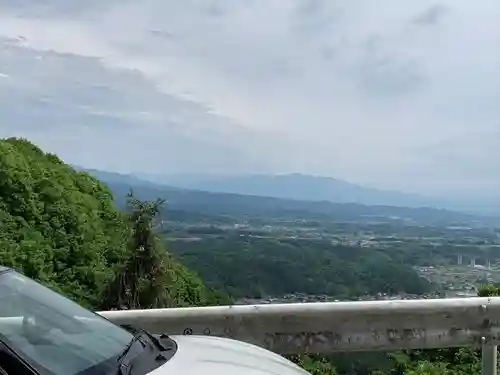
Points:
(62, 227)
(255, 267)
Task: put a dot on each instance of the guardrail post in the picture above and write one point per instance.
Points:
(489, 359)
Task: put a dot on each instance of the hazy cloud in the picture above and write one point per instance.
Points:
(385, 93)
(432, 15)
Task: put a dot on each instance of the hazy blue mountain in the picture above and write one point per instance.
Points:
(224, 203)
(296, 186)
(314, 188)
(302, 188)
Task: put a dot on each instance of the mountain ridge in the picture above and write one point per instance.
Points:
(295, 186)
(321, 188)
(221, 203)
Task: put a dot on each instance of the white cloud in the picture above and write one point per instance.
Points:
(385, 93)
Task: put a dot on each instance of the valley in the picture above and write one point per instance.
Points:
(272, 250)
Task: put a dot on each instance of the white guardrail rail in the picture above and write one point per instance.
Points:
(337, 326)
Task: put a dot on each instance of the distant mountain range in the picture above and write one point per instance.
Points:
(314, 188)
(294, 186)
(255, 198)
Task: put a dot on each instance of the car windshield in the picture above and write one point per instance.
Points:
(53, 334)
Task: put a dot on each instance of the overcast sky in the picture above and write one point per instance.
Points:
(392, 94)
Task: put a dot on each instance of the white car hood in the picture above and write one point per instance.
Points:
(210, 355)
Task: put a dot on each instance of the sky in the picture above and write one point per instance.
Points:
(389, 94)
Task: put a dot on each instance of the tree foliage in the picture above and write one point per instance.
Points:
(149, 277)
(62, 227)
(256, 267)
(57, 225)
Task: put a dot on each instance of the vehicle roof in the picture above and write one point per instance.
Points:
(4, 269)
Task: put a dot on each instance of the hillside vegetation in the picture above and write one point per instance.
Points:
(258, 267)
(62, 227)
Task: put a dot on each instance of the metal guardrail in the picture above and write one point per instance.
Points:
(338, 326)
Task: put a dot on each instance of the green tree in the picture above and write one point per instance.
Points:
(58, 226)
(149, 277)
(489, 290)
(314, 364)
(143, 280)
(62, 228)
